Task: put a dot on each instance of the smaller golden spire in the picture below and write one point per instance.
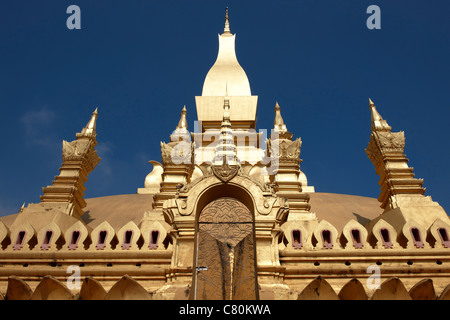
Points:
(278, 123)
(182, 124)
(226, 30)
(279, 127)
(181, 132)
(89, 131)
(378, 123)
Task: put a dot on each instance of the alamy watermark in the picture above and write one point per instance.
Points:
(74, 20)
(374, 20)
(73, 282)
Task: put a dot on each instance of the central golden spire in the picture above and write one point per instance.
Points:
(226, 29)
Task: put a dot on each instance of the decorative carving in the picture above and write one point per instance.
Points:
(225, 252)
(225, 172)
(284, 149)
(373, 152)
(392, 141)
(177, 152)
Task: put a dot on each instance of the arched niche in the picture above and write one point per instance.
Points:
(75, 236)
(297, 235)
(356, 235)
(48, 236)
(128, 236)
(326, 236)
(23, 237)
(440, 232)
(385, 236)
(101, 236)
(415, 234)
(154, 234)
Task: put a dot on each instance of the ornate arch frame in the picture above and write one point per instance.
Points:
(182, 212)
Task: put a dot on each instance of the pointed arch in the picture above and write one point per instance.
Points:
(391, 289)
(318, 289)
(127, 289)
(445, 294)
(51, 289)
(18, 289)
(423, 290)
(91, 289)
(353, 290)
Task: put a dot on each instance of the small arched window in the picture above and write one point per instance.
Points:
(326, 238)
(356, 237)
(46, 241)
(444, 237)
(296, 239)
(19, 240)
(154, 237)
(74, 240)
(386, 238)
(101, 242)
(416, 238)
(127, 237)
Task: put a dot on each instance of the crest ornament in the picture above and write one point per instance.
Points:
(225, 172)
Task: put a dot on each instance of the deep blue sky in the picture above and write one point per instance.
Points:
(139, 62)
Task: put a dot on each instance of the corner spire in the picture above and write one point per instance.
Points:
(89, 131)
(278, 123)
(181, 133)
(378, 123)
(226, 29)
(279, 128)
(182, 124)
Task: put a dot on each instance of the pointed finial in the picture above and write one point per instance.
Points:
(278, 123)
(90, 129)
(227, 23)
(182, 124)
(378, 123)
